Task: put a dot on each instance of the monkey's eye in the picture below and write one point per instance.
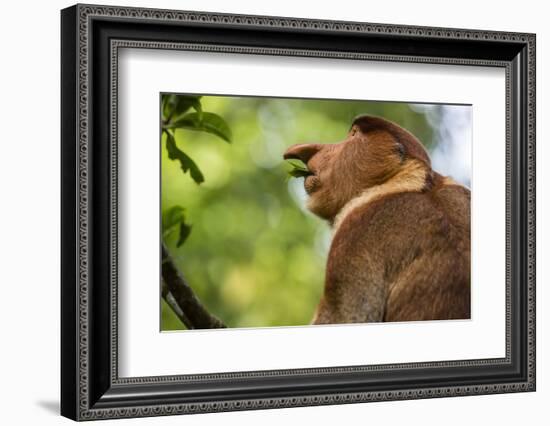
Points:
(353, 131)
(401, 151)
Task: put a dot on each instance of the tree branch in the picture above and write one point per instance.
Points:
(193, 313)
(171, 301)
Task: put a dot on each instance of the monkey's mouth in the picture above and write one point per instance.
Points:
(302, 170)
(299, 170)
(311, 183)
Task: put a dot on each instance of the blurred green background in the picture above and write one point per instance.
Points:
(254, 255)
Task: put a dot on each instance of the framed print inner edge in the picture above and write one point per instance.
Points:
(115, 46)
(116, 397)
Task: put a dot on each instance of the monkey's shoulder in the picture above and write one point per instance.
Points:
(399, 220)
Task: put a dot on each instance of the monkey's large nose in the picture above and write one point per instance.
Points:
(302, 151)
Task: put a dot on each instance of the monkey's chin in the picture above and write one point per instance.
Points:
(319, 208)
(311, 205)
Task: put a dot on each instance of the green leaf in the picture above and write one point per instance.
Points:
(299, 170)
(168, 103)
(213, 123)
(185, 230)
(176, 105)
(183, 104)
(187, 164)
(163, 100)
(185, 122)
(172, 217)
(206, 122)
(175, 216)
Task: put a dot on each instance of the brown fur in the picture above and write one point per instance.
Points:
(401, 245)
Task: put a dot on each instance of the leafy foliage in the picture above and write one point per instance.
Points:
(175, 116)
(204, 122)
(173, 218)
(187, 164)
(174, 105)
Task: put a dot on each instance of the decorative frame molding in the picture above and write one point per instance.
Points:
(91, 37)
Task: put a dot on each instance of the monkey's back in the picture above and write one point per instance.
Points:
(414, 245)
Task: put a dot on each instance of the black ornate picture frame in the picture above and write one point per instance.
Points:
(91, 387)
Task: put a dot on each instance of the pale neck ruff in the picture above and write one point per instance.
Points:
(411, 178)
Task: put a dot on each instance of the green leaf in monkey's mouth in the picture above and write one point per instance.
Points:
(299, 170)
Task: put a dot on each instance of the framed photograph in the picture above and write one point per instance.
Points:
(263, 212)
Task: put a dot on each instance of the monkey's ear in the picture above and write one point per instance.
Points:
(401, 151)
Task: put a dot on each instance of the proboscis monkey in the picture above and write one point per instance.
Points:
(401, 231)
